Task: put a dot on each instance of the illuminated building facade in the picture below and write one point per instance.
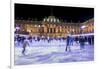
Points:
(52, 27)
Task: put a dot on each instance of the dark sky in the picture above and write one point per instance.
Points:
(75, 14)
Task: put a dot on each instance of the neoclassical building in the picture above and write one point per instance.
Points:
(52, 27)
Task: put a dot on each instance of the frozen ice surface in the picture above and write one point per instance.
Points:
(53, 52)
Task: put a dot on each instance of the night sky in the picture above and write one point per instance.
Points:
(64, 13)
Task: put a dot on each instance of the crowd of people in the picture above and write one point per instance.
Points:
(69, 40)
(79, 39)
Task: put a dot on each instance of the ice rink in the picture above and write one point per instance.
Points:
(53, 52)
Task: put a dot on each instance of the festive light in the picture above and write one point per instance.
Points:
(17, 28)
(82, 27)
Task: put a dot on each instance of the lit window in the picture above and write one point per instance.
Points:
(57, 20)
(54, 20)
(48, 19)
(44, 20)
(35, 25)
(28, 30)
(51, 20)
(39, 26)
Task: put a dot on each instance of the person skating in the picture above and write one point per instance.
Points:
(25, 44)
(82, 42)
(68, 43)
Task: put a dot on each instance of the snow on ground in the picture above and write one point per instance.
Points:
(54, 52)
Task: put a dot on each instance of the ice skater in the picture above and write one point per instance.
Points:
(68, 43)
(25, 44)
(82, 42)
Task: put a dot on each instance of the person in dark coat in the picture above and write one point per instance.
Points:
(68, 41)
(92, 37)
(30, 38)
(82, 42)
(19, 40)
(89, 40)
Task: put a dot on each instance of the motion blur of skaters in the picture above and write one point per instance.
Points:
(25, 44)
